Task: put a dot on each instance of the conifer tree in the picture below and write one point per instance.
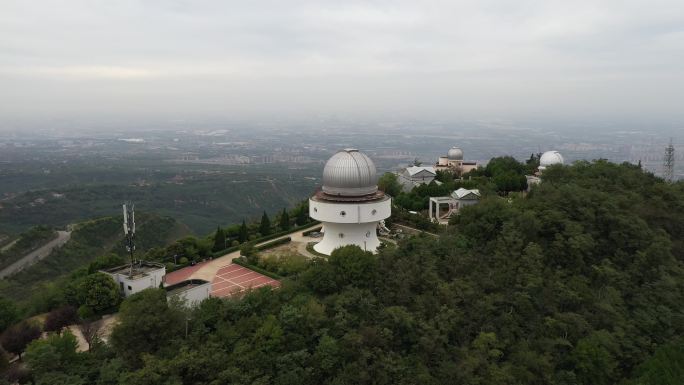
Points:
(301, 216)
(265, 226)
(243, 235)
(219, 239)
(284, 220)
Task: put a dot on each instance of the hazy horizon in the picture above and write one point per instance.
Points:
(612, 61)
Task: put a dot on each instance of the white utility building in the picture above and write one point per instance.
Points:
(349, 203)
(137, 277)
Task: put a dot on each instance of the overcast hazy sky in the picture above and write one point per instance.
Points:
(479, 59)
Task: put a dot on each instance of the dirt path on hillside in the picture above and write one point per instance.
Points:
(7, 246)
(36, 255)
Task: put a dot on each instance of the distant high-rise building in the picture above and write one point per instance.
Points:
(668, 163)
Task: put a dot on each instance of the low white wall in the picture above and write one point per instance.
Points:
(195, 295)
(138, 285)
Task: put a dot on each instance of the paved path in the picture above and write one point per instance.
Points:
(182, 274)
(412, 230)
(208, 270)
(36, 255)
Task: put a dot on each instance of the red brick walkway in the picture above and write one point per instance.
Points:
(182, 274)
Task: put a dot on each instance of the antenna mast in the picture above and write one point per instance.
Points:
(129, 230)
(668, 163)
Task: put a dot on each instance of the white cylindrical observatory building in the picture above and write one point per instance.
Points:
(349, 203)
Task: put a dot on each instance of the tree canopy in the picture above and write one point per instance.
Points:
(99, 293)
(581, 282)
(146, 324)
(389, 184)
(219, 239)
(265, 225)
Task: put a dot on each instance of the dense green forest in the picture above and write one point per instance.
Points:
(580, 282)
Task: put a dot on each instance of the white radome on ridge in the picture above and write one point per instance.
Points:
(549, 158)
(350, 173)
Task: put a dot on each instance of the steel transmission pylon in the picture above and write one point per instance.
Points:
(668, 163)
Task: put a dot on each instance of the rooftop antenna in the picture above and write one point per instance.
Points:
(129, 230)
(668, 163)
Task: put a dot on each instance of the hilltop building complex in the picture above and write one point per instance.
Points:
(453, 162)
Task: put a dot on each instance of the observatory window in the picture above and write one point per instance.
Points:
(343, 213)
(368, 234)
(130, 288)
(341, 235)
(315, 210)
(374, 212)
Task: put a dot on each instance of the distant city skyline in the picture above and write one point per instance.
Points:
(133, 61)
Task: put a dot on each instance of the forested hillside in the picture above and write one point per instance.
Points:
(89, 240)
(201, 198)
(581, 282)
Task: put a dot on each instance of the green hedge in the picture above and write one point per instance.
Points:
(226, 251)
(265, 238)
(316, 230)
(275, 243)
(242, 262)
(310, 249)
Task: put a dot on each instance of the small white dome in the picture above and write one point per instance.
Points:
(350, 173)
(550, 157)
(455, 153)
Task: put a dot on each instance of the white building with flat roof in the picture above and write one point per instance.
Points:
(137, 277)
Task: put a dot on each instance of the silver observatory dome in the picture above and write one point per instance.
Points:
(350, 173)
(455, 153)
